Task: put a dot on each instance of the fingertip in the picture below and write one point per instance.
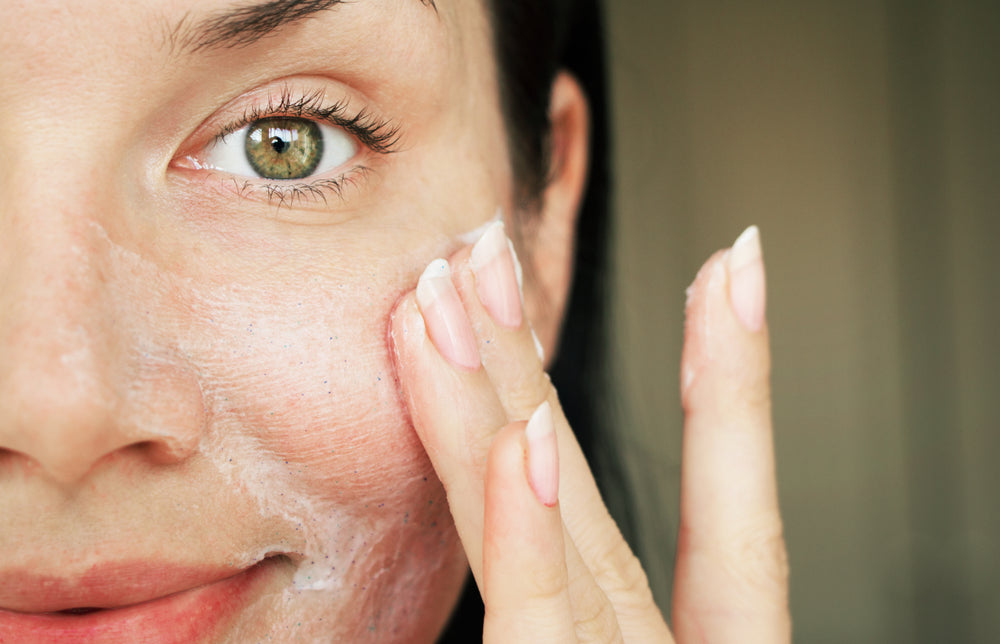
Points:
(524, 489)
(747, 286)
(524, 559)
(700, 317)
(725, 330)
(447, 322)
(406, 324)
(543, 455)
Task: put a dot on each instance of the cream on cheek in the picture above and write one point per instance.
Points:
(303, 416)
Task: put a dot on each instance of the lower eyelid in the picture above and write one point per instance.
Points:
(323, 192)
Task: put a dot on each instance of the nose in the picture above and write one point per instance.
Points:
(74, 386)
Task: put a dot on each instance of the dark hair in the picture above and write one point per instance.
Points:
(534, 40)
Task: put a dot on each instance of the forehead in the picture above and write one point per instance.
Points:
(66, 66)
(87, 38)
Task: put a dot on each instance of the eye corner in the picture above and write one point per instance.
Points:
(188, 162)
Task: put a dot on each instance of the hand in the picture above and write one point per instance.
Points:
(550, 562)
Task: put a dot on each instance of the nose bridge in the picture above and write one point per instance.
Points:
(72, 311)
(57, 349)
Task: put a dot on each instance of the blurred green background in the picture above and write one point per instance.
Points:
(864, 139)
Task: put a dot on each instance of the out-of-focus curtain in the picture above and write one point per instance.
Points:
(864, 139)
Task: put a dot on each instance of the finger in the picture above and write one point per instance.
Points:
(456, 413)
(526, 581)
(488, 278)
(453, 406)
(487, 281)
(731, 577)
(538, 589)
(509, 356)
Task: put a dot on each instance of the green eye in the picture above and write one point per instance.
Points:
(284, 148)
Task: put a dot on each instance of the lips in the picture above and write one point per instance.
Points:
(135, 602)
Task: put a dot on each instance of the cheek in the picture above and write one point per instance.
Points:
(303, 416)
(302, 378)
(307, 377)
(302, 393)
(302, 413)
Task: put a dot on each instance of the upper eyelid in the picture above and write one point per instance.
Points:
(375, 133)
(315, 96)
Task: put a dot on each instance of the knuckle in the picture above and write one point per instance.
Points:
(761, 559)
(526, 391)
(596, 621)
(620, 572)
(548, 582)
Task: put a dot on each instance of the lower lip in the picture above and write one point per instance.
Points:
(188, 616)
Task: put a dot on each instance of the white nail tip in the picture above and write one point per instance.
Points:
(436, 270)
(746, 249)
(518, 272)
(492, 243)
(539, 349)
(540, 424)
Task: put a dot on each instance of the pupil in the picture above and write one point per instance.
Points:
(278, 144)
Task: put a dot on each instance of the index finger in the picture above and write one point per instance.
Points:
(731, 577)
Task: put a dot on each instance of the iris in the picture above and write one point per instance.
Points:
(284, 148)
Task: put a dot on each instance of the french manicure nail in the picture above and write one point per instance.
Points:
(539, 349)
(543, 455)
(447, 324)
(747, 289)
(493, 263)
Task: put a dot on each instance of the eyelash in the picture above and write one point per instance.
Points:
(378, 135)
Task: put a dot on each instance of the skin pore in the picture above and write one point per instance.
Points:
(194, 366)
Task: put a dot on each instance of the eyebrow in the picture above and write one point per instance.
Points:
(245, 25)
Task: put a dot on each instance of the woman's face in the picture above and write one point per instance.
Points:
(196, 391)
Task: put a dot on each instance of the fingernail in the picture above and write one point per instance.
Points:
(543, 455)
(445, 318)
(747, 290)
(492, 262)
(539, 349)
